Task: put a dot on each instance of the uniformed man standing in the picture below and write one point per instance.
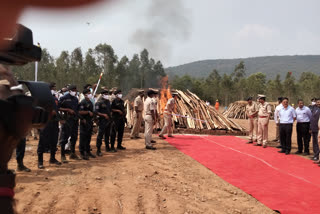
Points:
(103, 110)
(118, 121)
(150, 119)
(69, 105)
(49, 135)
(137, 115)
(252, 113)
(167, 115)
(86, 125)
(264, 112)
(20, 150)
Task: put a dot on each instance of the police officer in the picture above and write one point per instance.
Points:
(137, 115)
(252, 113)
(103, 110)
(169, 109)
(264, 113)
(86, 125)
(69, 105)
(150, 119)
(20, 150)
(118, 120)
(49, 135)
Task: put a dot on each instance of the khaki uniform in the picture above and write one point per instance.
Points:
(263, 122)
(148, 107)
(252, 110)
(137, 117)
(167, 116)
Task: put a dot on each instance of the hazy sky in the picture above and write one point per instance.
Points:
(182, 31)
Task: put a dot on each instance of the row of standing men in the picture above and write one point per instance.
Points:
(307, 124)
(69, 112)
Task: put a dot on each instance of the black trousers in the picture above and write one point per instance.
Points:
(69, 129)
(117, 128)
(315, 144)
(303, 136)
(20, 150)
(49, 138)
(85, 136)
(104, 130)
(285, 136)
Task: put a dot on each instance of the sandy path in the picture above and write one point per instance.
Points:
(131, 181)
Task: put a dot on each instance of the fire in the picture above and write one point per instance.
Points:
(165, 93)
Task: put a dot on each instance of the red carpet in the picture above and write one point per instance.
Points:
(286, 183)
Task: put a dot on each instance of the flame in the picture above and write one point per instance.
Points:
(165, 93)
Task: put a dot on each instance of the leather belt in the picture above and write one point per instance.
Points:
(263, 116)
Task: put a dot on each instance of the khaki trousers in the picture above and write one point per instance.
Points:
(137, 119)
(167, 124)
(263, 130)
(253, 128)
(148, 124)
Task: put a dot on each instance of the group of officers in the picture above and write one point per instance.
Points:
(307, 124)
(73, 109)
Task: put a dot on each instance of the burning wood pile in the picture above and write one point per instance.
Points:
(193, 115)
(237, 110)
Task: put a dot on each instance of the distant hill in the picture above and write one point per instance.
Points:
(270, 65)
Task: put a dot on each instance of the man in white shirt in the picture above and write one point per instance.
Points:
(303, 125)
(276, 120)
(287, 116)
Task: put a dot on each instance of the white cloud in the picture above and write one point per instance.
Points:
(255, 31)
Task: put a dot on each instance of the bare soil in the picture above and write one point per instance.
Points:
(132, 181)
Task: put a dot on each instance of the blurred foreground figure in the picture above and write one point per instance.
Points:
(11, 10)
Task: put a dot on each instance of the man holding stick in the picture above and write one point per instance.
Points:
(167, 114)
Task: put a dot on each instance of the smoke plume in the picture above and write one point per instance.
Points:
(167, 22)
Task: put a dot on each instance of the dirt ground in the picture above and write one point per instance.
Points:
(132, 181)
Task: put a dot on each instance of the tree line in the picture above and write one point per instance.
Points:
(141, 71)
(236, 86)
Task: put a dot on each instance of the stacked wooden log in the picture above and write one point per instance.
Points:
(192, 114)
(237, 110)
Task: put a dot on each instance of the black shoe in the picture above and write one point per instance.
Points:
(298, 152)
(91, 155)
(249, 142)
(40, 166)
(113, 150)
(151, 148)
(108, 149)
(278, 147)
(99, 152)
(64, 159)
(257, 144)
(314, 158)
(153, 141)
(281, 151)
(74, 156)
(163, 137)
(84, 156)
(287, 153)
(23, 168)
(121, 148)
(306, 153)
(54, 161)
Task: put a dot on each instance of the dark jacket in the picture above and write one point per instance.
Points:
(314, 119)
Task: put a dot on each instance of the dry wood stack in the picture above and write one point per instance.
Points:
(237, 110)
(196, 115)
